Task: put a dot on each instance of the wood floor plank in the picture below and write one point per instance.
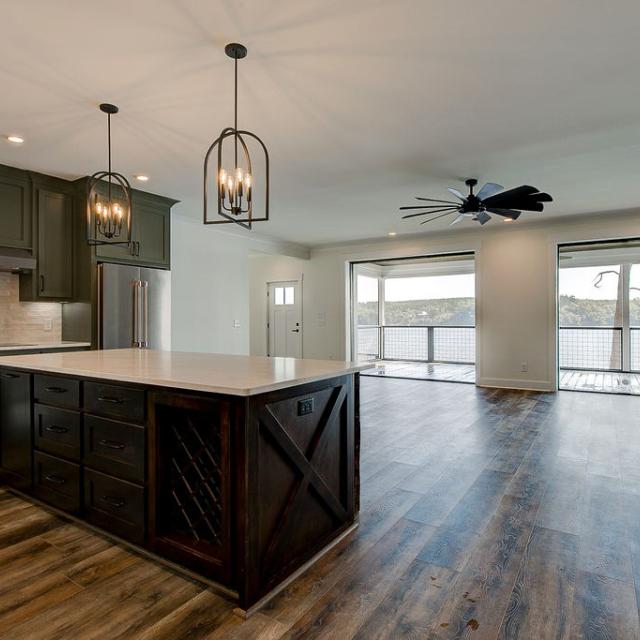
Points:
(603, 608)
(604, 544)
(196, 619)
(351, 601)
(408, 611)
(482, 592)
(542, 598)
(455, 538)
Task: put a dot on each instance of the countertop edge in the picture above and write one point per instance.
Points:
(190, 386)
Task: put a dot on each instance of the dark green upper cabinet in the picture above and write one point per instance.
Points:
(150, 234)
(15, 209)
(53, 278)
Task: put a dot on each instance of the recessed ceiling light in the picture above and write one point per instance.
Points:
(15, 139)
(142, 177)
(392, 233)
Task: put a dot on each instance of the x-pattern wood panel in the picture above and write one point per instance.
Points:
(307, 475)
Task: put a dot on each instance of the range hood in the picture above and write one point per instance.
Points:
(16, 260)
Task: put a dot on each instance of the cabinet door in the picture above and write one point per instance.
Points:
(55, 244)
(151, 225)
(15, 428)
(15, 208)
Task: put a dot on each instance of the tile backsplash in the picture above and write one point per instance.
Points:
(27, 322)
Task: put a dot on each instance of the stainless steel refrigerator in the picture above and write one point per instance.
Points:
(134, 307)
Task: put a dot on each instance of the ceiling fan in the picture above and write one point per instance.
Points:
(477, 206)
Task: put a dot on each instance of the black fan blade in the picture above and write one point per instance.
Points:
(511, 194)
(434, 200)
(430, 206)
(542, 197)
(521, 205)
(489, 189)
(442, 215)
(482, 217)
(507, 213)
(425, 213)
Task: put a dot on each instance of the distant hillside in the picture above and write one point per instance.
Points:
(574, 312)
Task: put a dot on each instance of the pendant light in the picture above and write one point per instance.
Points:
(234, 185)
(108, 200)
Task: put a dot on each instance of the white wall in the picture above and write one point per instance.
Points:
(515, 289)
(210, 286)
(209, 289)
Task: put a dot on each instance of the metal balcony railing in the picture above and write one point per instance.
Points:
(590, 348)
(424, 343)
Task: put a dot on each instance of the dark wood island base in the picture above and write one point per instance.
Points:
(243, 491)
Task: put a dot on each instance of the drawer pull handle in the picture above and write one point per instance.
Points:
(111, 400)
(55, 429)
(10, 375)
(114, 502)
(55, 479)
(55, 390)
(111, 444)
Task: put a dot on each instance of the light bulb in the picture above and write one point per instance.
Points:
(239, 174)
(223, 176)
(247, 180)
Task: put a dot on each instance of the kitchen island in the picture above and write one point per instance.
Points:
(242, 470)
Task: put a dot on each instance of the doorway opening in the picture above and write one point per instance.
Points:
(284, 321)
(599, 317)
(415, 317)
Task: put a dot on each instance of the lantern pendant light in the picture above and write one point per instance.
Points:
(108, 200)
(235, 186)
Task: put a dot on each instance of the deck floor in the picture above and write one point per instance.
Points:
(424, 371)
(600, 381)
(486, 514)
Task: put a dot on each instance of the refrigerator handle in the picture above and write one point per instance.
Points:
(137, 338)
(144, 319)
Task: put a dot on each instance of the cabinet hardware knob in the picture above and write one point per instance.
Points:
(114, 502)
(41, 283)
(55, 479)
(55, 429)
(111, 400)
(55, 390)
(111, 444)
(10, 375)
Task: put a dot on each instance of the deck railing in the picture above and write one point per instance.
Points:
(589, 348)
(418, 343)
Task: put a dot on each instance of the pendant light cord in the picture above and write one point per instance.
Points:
(109, 147)
(235, 111)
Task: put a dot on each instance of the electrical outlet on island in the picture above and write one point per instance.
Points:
(48, 324)
(524, 368)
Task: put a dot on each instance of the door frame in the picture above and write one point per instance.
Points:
(296, 281)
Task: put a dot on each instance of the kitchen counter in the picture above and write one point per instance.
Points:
(45, 347)
(213, 373)
(244, 470)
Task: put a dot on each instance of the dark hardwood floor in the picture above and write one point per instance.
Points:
(485, 514)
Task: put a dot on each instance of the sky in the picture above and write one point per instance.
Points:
(422, 288)
(575, 281)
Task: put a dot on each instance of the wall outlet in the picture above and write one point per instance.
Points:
(48, 324)
(524, 367)
(236, 324)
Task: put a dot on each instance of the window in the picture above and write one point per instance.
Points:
(284, 295)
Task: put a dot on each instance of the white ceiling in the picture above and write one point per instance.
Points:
(363, 104)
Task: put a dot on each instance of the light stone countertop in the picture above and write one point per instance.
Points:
(44, 345)
(209, 372)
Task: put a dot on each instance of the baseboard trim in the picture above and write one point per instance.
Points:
(520, 385)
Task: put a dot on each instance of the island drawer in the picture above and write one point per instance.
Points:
(60, 392)
(114, 447)
(114, 401)
(56, 481)
(57, 431)
(115, 505)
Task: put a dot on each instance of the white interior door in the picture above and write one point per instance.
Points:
(285, 319)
